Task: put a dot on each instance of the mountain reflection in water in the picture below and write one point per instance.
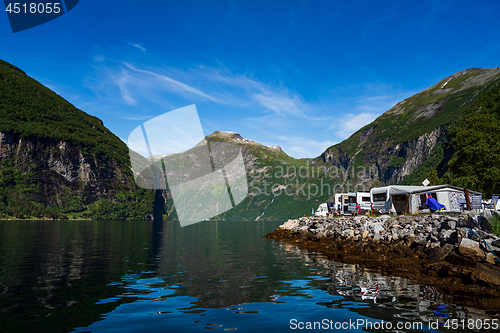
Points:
(116, 276)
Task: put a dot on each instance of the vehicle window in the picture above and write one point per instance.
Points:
(380, 197)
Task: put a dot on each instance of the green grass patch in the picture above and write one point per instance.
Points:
(495, 224)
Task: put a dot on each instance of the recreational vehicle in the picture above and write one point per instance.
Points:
(363, 198)
(347, 201)
(338, 202)
(396, 199)
(322, 210)
(325, 209)
(447, 195)
(351, 202)
(392, 199)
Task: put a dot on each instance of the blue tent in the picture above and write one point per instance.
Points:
(433, 204)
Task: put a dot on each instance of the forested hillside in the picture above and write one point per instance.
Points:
(57, 161)
(414, 140)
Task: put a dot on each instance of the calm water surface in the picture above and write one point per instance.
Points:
(115, 276)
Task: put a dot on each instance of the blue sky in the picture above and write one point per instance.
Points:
(300, 74)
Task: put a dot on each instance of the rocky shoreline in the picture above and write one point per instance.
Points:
(433, 250)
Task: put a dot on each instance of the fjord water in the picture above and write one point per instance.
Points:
(116, 276)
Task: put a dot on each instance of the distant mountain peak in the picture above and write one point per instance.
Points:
(413, 131)
(238, 139)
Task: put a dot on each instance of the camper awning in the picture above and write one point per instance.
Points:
(399, 189)
(437, 188)
(395, 189)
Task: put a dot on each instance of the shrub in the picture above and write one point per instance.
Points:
(495, 224)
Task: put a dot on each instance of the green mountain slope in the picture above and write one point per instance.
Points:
(476, 141)
(57, 161)
(279, 186)
(410, 139)
(401, 146)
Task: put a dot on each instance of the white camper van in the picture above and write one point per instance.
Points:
(351, 198)
(363, 198)
(324, 209)
(338, 202)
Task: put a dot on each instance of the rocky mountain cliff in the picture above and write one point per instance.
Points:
(411, 138)
(401, 146)
(57, 161)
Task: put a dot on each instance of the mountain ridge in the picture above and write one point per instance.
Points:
(57, 161)
(402, 138)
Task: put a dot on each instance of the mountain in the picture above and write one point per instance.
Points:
(411, 141)
(57, 161)
(412, 138)
(279, 186)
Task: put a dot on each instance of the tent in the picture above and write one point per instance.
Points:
(412, 199)
(446, 195)
(392, 198)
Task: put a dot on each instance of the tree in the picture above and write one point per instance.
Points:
(477, 152)
(432, 176)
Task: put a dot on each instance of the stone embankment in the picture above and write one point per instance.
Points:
(434, 250)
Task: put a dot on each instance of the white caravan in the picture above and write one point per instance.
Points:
(396, 199)
(322, 210)
(392, 199)
(364, 200)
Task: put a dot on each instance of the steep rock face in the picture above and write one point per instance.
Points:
(71, 164)
(412, 135)
(380, 158)
(337, 157)
(57, 161)
(251, 151)
(6, 144)
(60, 170)
(414, 153)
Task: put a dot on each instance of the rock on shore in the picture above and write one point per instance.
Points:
(433, 249)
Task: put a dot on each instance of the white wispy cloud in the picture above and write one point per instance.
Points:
(352, 122)
(280, 103)
(139, 46)
(254, 94)
(363, 109)
(201, 84)
(255, 105)
(99, 58)
(165, 82)
(122, 83)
